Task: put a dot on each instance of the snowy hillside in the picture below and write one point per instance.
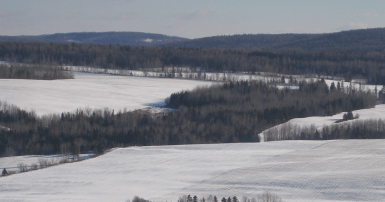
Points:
(295, 126)
(11, 163)
(343, 170)
(144, 171)
(91, 90)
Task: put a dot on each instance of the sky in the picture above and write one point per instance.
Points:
(187, 18)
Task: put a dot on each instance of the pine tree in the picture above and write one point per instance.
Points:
(332, 87)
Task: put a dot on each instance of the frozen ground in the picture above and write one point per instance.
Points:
(91, 90)
(342, 170)
(317, 122)
(186, 73)
(115, 92)
(11, 163)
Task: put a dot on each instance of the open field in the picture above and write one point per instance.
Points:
(341, 170)
(149, 172)
(296, 125)
(91, 90)
(11, 163)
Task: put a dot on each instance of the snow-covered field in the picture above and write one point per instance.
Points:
(149, 172)
(341, 170)
(11, 163)
(295, 126)
(91, 90)
(266, 77)
(117, 92)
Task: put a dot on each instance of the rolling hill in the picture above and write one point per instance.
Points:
(364, 39)
(340, 170)
(122, 38)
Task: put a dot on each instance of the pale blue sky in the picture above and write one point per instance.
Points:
(191, 19)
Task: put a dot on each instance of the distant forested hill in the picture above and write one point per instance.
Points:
(246, 41)
(122, 38)
(364, 39)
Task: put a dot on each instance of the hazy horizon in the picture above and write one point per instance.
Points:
(189, 19)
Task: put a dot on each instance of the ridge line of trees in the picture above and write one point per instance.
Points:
(35, 71)
(357, 129)
(348, 64)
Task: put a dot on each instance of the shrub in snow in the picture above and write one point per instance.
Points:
(22, 167)
(138, 199)
(4, 173)
(269, 197)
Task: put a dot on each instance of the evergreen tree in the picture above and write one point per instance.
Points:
(332, 87)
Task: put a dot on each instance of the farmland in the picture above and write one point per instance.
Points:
(91, 90)
(341, 170)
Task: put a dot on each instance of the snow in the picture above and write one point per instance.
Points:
(11, 163)
(266, 77)
(339, 170)
(91, 90)
(148, 40)
(318, 122)
(343, 170)
(155, 172)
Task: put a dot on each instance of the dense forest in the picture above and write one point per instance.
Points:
(42, 72)
(230, 112)
(358, 40)
(348, 64)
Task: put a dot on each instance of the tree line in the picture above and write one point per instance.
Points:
(264, 197)
(36, 71)
(347, 64)
(224, 113)
(359, 129)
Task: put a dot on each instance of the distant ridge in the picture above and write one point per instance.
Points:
(122, 38)
(363, 39)
(242, 41)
